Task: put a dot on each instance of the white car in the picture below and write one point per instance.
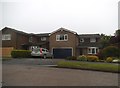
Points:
(41, 52)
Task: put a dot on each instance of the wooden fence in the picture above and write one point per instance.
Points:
(5, 51)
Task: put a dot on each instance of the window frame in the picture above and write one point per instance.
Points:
(59, 36)
(6, 37)
(43, 38)
(90, 50)
(92, 39)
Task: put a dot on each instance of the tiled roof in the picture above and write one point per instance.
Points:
(89, 35)
(84, 45)
(20, 32)
(63, 29)
(43, 34)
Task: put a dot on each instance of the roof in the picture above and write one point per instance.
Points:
(85, 45)
(89, 35)
(63, 29)
(20, 32)
(43, 34)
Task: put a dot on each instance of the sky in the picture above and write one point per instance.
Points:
(46, 16)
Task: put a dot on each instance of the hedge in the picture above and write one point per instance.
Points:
(110, 51)
(21, 53)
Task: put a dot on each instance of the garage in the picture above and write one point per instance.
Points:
(62, 52)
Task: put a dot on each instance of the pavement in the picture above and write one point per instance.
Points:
(40, 72)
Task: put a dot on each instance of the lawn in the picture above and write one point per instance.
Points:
(89, 66)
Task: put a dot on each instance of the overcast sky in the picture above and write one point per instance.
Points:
(44, 16)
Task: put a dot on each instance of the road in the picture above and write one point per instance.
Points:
(36, 72)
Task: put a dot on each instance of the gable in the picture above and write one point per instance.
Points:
(63, 30)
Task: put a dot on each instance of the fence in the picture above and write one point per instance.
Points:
(5, 51)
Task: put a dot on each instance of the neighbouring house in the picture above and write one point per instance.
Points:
(89, 44)
(14, 38)
(62, 42)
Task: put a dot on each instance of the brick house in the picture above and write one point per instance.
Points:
(21, 40)
(62, 42)
(14, 38)
(89, 44)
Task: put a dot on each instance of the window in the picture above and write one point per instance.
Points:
(30, 39)
(62, 37)
(6, 37)
(82, 40)
(43, 38)
(93, 50)
(92, 39)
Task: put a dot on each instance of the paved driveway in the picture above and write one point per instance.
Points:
(36, 74)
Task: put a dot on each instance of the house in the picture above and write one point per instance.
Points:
(37, 40)
(62, 42)
(89, 44)
(21, 40)
(14, 38)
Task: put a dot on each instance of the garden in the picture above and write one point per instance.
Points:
(107, 59)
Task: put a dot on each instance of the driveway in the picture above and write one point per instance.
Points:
(32, 72)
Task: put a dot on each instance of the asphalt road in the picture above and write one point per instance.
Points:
(35, 72)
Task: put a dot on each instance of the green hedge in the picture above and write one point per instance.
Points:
(21, 53)
(110, 51)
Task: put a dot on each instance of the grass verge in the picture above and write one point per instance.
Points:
(90, 66)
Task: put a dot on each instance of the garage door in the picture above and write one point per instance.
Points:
(62, 53)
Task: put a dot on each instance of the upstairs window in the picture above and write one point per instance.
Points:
(82, 40)
(92, 39)
(6, 37)
(43, 39)
(62, 37)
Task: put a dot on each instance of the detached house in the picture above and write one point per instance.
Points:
(89, 44)
(62, 42)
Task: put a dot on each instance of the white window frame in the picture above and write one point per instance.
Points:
(82, 40)
(6, 37)
(92, 39)
(64, 37)
(43, 38)
(96, 50)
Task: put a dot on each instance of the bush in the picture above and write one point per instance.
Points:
(109, 59)
(71, 58)
(82, 58)
(92, 58)
(21, 53)
(110, 51)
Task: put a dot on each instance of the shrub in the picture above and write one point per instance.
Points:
(110, 51)
(92, 58)
(82, 58)
(71, 58)
(109, 59)
(20, 53)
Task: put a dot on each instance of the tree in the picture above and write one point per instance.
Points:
(115, 40)
(105, 40)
